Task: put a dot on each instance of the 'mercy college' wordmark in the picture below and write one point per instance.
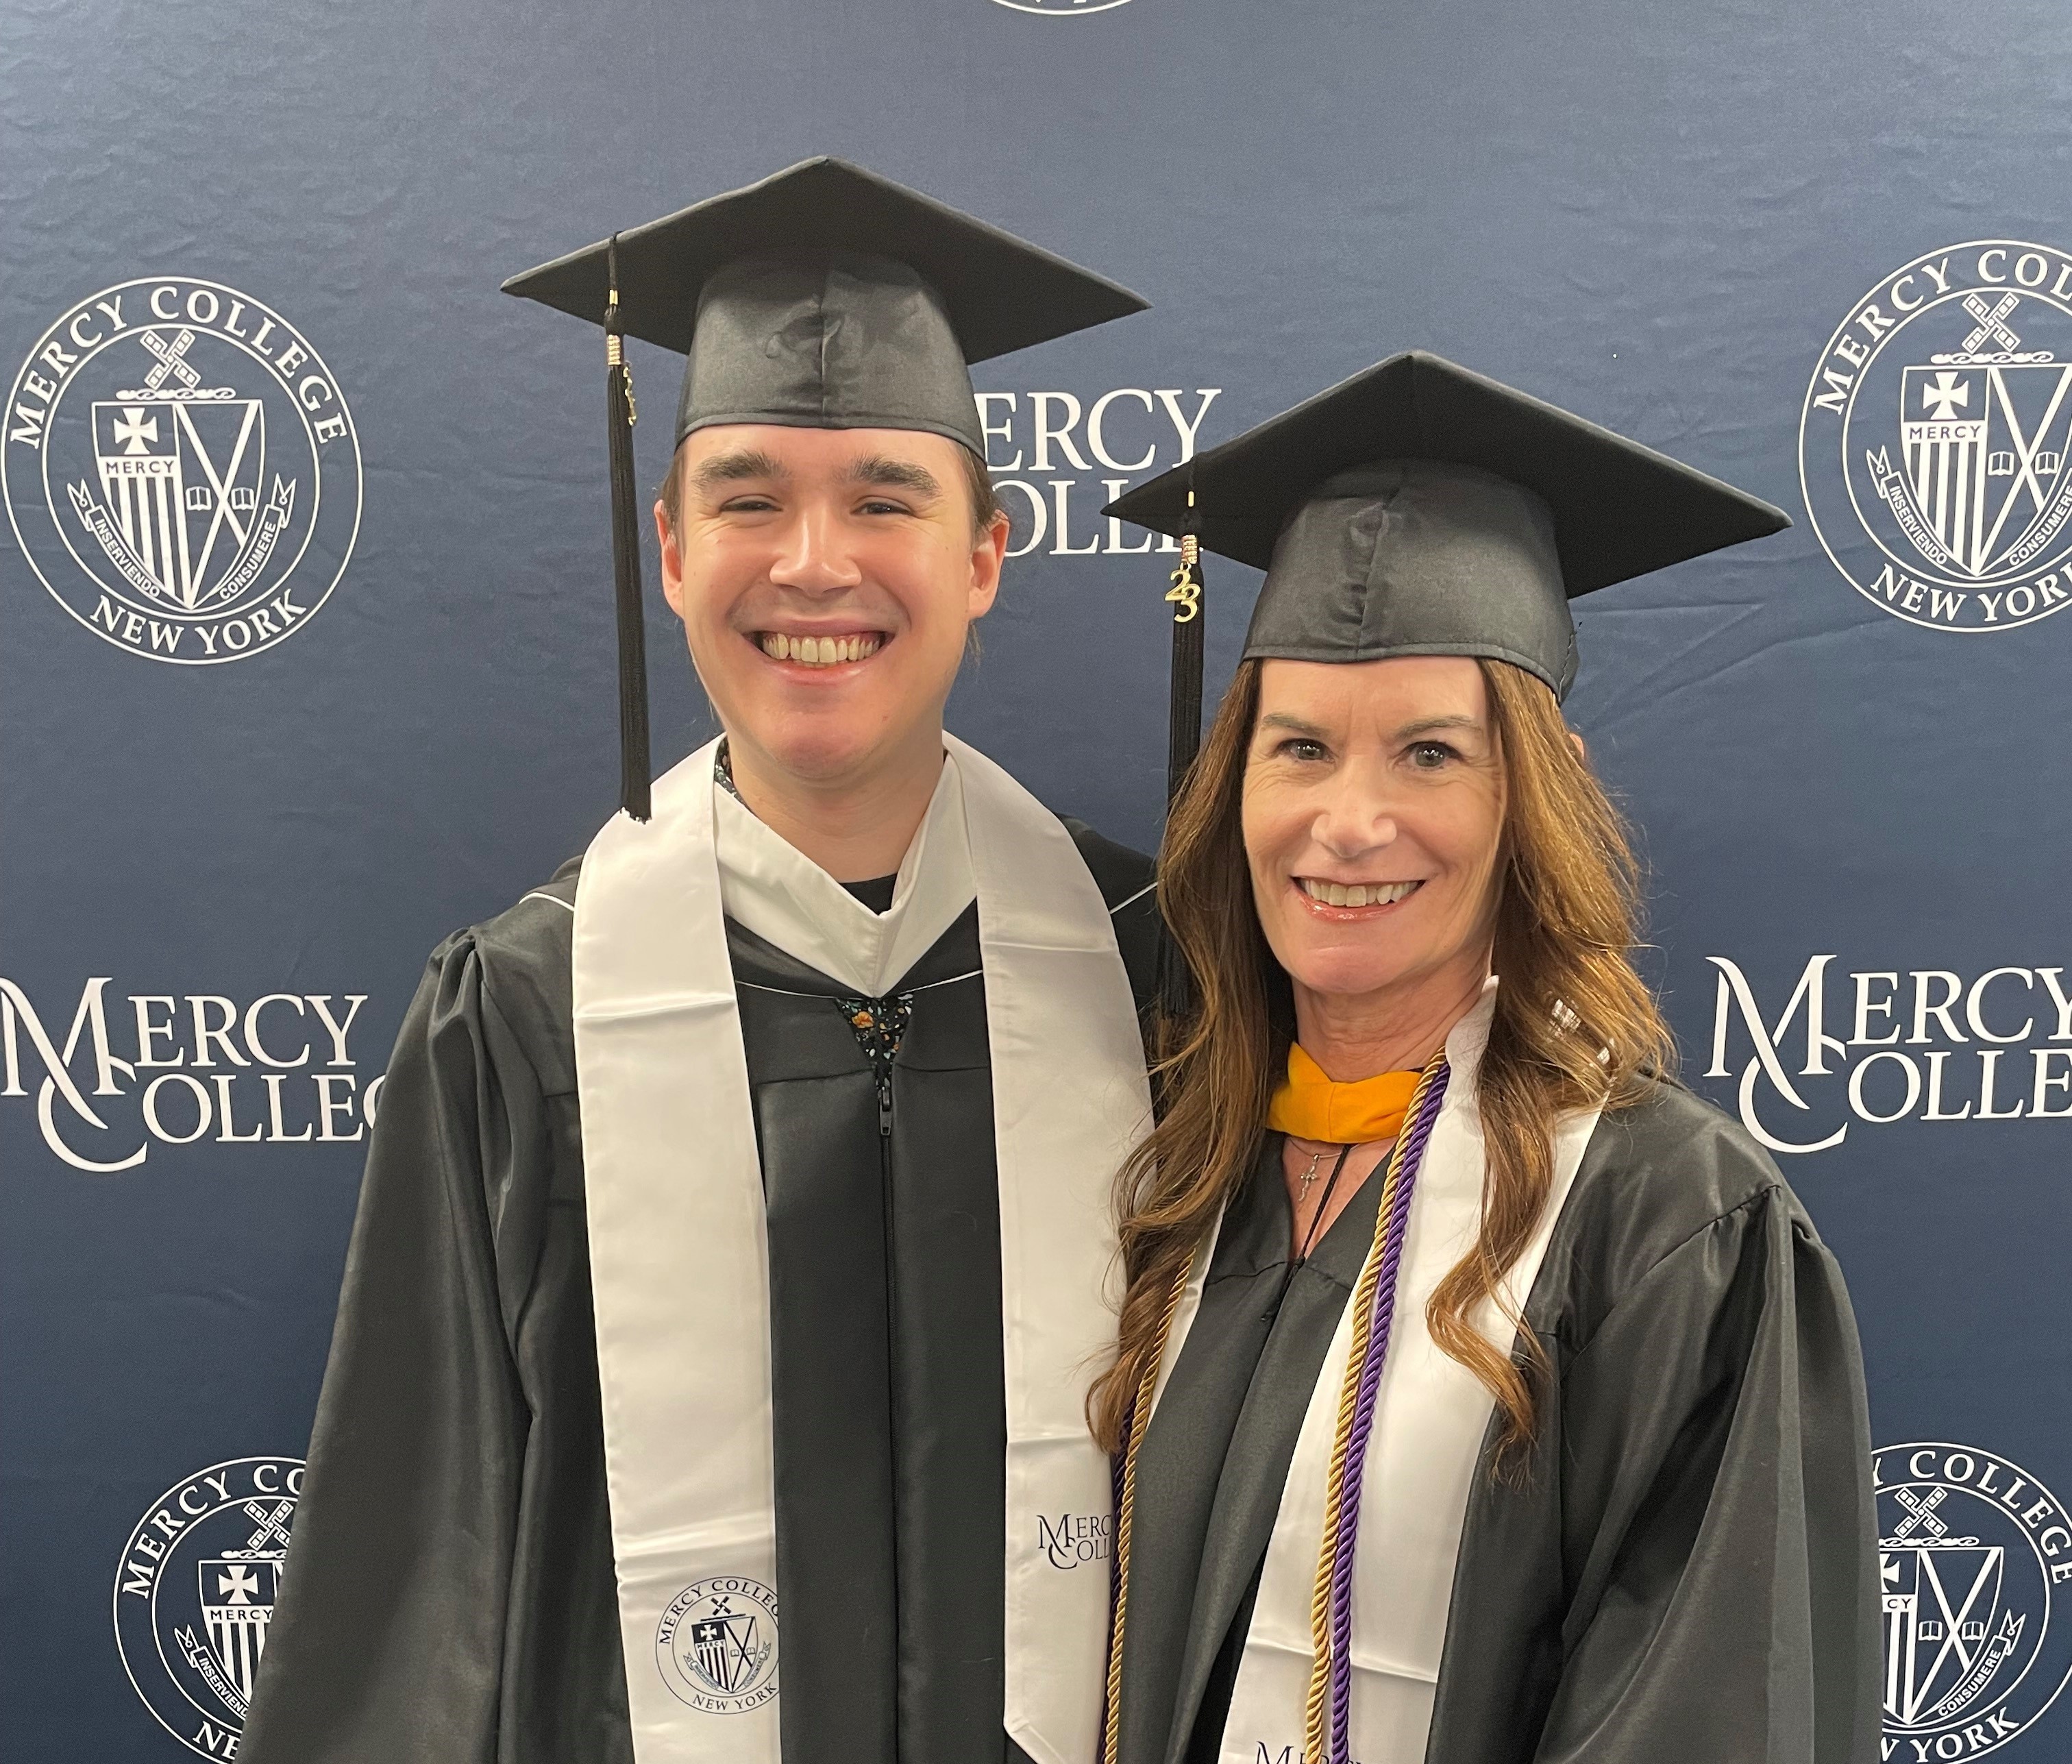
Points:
(1923, 1044)
(182, 470)
(275, 1070)
(1056, 457)
(1935, 443)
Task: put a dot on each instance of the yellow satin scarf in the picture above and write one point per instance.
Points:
(1311, 1106)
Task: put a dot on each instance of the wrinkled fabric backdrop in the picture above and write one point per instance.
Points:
(308, 652)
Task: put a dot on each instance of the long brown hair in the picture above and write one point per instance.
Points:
(1575, 1027)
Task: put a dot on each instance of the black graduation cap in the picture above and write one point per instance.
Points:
(1418, 509)
(825, 297)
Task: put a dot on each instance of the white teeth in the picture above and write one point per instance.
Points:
(1331, 894)
(819, 652)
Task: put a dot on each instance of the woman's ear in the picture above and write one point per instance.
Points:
(1575, 740)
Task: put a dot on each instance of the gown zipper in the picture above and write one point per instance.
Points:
(879, 1024)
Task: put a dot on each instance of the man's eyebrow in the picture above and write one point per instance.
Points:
(889, 474)
(726, 468)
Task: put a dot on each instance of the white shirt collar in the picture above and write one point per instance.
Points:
(771, 888)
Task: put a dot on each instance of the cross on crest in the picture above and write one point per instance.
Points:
(136, 431)
(236, 1583)
(1946, 396)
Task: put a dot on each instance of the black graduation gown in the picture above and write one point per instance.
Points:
(1685, 1568)
(449, 1594)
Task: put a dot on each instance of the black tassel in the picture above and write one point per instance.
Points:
(1184, 734)
(635, 771)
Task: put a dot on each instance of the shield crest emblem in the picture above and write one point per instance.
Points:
(726, 1649)
(1983, 449)
(237, 1596)
(1947, 1633)
(182, 477)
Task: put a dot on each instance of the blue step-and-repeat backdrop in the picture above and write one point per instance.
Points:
(310, 662)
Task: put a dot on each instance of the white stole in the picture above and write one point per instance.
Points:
(679, 1255)
(1430, 1417)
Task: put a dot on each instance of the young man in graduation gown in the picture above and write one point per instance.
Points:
(1486, 1397)
(731, 1259)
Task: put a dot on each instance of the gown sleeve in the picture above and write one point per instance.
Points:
(1718, 1518)
(386, 1646)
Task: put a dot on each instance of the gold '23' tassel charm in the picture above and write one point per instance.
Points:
(1186, 589)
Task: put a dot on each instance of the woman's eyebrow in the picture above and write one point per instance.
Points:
(1295, 726)
(1425, 725)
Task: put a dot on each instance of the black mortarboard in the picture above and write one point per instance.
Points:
(1418, 509)
(824, 297)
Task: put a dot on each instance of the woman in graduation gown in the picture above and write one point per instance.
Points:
(1482, 1395)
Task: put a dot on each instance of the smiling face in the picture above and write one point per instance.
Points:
(826, 579)
(1373, 820)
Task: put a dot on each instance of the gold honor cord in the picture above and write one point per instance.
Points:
(1140, 1419)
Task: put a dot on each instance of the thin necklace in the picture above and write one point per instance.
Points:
(1323, 1205)
(1309, 1237)
(1309, 1175)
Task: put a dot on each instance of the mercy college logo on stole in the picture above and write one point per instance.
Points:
(1971, 1551)
(715, 1646)
(1934, 443)
(182, 470)
(194, 1596)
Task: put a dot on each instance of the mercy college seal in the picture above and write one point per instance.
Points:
(1971, 1552)
(1936, 432)
(195, 1594)
(181, 471)
(716, 1644)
